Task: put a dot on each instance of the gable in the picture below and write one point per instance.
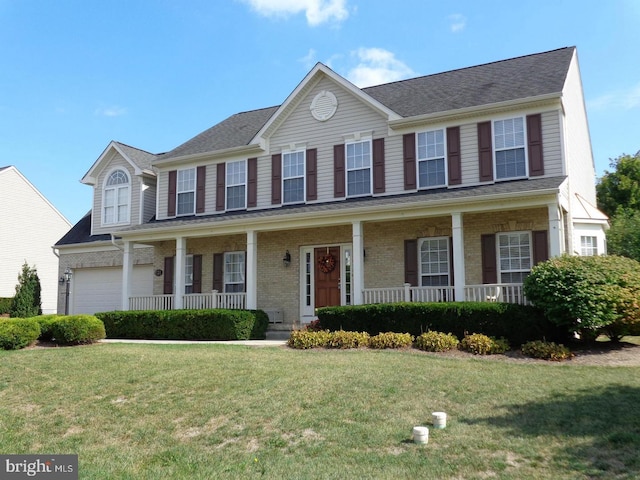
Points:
(138, 161)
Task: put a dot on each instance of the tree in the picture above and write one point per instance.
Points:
(620, 187)
(623, 238)
(27, 302)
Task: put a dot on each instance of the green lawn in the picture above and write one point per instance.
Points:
(222, 411)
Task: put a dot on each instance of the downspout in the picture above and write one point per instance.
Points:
(113, 241)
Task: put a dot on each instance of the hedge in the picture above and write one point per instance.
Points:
(18, 333)
(5, 305)
(77, 329)
(213, 324)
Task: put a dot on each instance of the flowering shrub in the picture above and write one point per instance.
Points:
(304, 339)
(391, 340)
(480, 344)
(546, 350)
(436, 341)
(342, 339)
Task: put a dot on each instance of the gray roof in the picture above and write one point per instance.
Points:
(141, 158)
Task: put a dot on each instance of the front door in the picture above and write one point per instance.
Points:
(327, 276)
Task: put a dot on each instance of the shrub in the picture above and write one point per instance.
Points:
(77, 329)
(342, 339)
(304, 339)
(17, 333)
(26, 302)
(391, 340)
(5, 305)
(314, 326)
(480, 344)
(46, 326)
(436, 341)
(546, 350)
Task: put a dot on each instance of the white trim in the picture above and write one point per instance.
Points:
(347, 170)
(426, 159)
(495, 150)
(178, 192)
(304, 176)
(227, 185)
(129, 185)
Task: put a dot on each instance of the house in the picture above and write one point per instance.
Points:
(22, 239)
(442, 187)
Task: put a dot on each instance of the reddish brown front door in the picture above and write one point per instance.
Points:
(327, 276)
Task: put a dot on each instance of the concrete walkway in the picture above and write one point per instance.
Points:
(251, 343)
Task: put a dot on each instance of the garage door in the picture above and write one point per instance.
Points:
(100, 289)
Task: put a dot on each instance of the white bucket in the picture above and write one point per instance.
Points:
(439, 419)
(420, 435)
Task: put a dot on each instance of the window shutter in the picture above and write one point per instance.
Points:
(312, 174)
(167, 288)
(197, 274)
(485, 152)
(489, 264)
(252, 182)
(378, 166)
(218, 272)
(201, 180)
(338, 171)
(411, 262)
(276, 179)
(534, 138)
(409, 157)
(171, 202)
(220, 186)
(453, 156)
(540, 246)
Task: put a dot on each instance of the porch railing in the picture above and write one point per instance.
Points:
(151, 302)
(192, 301)
(502, 292)
(498, 292)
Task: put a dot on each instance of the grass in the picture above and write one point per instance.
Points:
(222, 411)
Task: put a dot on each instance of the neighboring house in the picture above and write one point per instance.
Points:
(30, 227)
(443, 187)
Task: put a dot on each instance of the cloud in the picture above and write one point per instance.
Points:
(376, 66)
(112, 111)
(316, 11)
(458, 22)
(625, 99)
(309, 60)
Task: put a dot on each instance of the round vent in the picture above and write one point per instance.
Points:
(324, 105)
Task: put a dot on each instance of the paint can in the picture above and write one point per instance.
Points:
(439, 419)
(420, 435)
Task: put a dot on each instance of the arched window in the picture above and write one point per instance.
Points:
(116, 197)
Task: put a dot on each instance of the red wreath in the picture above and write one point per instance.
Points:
(327, 263)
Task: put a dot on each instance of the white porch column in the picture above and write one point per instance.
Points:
(251, 281)
(555, 230)
(127, 274)
(458, 255)
(181, 252)
(357, 264)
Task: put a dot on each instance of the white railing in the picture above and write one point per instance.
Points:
(383, 295)
(432, 294)
(192, 301)
(502, 292)
(152, 302)
(496, 292)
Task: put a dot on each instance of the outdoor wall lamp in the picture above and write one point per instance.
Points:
(286, 260)
(66, 276)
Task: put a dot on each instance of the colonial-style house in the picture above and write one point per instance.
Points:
(437, 188)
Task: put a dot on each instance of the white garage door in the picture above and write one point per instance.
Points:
(100, 289)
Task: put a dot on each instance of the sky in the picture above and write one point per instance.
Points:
(76, 74)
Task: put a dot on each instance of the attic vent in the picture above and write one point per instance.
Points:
(323, 106)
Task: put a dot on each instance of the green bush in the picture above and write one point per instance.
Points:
(26, 302)
(546, 350)
(18, 333)
(5, 305)
(46, 326)
(77, 329)
(437, 342)
(480, 344)
(391, 340)
(343, 339)
(304, 339)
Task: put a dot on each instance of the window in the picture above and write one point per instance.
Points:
(188, 274)
(509, 148)
(236, 185)
(186, 192)
(514, 256)
(431, 159)
(234, 272)
(116, 198)
(434, 262)
(358, 168)
(588, 245)
(293, 177)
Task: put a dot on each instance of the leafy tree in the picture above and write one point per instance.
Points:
(620, 187)
(27, 302)
(623, 238)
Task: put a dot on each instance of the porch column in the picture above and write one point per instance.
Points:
(555, 230)
(357, 264)
(181, 252)
(458, 255)
(251, 281)
(127, 273)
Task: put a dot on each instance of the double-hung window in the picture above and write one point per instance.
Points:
(116, 198)
(359, 176)
(514, 256)
(434, 262)
(293, 169)
(188, 274)
(431, 159)
(588, 245)
(186, 192)
(236, 185)
(234, 272)
(509, 141)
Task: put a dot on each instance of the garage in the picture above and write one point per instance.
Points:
(100, 289)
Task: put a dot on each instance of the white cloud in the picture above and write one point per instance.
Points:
(112, 111)
(458, 22)
(625, 99)
(309, 60)
(316, 11)
(376, 66)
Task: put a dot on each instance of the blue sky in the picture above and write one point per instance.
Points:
(76, 74)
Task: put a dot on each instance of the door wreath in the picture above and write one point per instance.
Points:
(327, 263)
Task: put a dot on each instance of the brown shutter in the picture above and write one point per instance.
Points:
(409, 157)
(167, 288)
(201, 180)
(197, 274)
(220, 186)
(252, 182)
(534, 139)
(453, 156)
(338, 171)
(276, 179)
(171, 202)
(540, 246)
(411, 262)
(312, 174)
(485, 152)
(218, 271)
(489, 264)
(378, 166)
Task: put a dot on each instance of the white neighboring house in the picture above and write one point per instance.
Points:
(22, 239)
